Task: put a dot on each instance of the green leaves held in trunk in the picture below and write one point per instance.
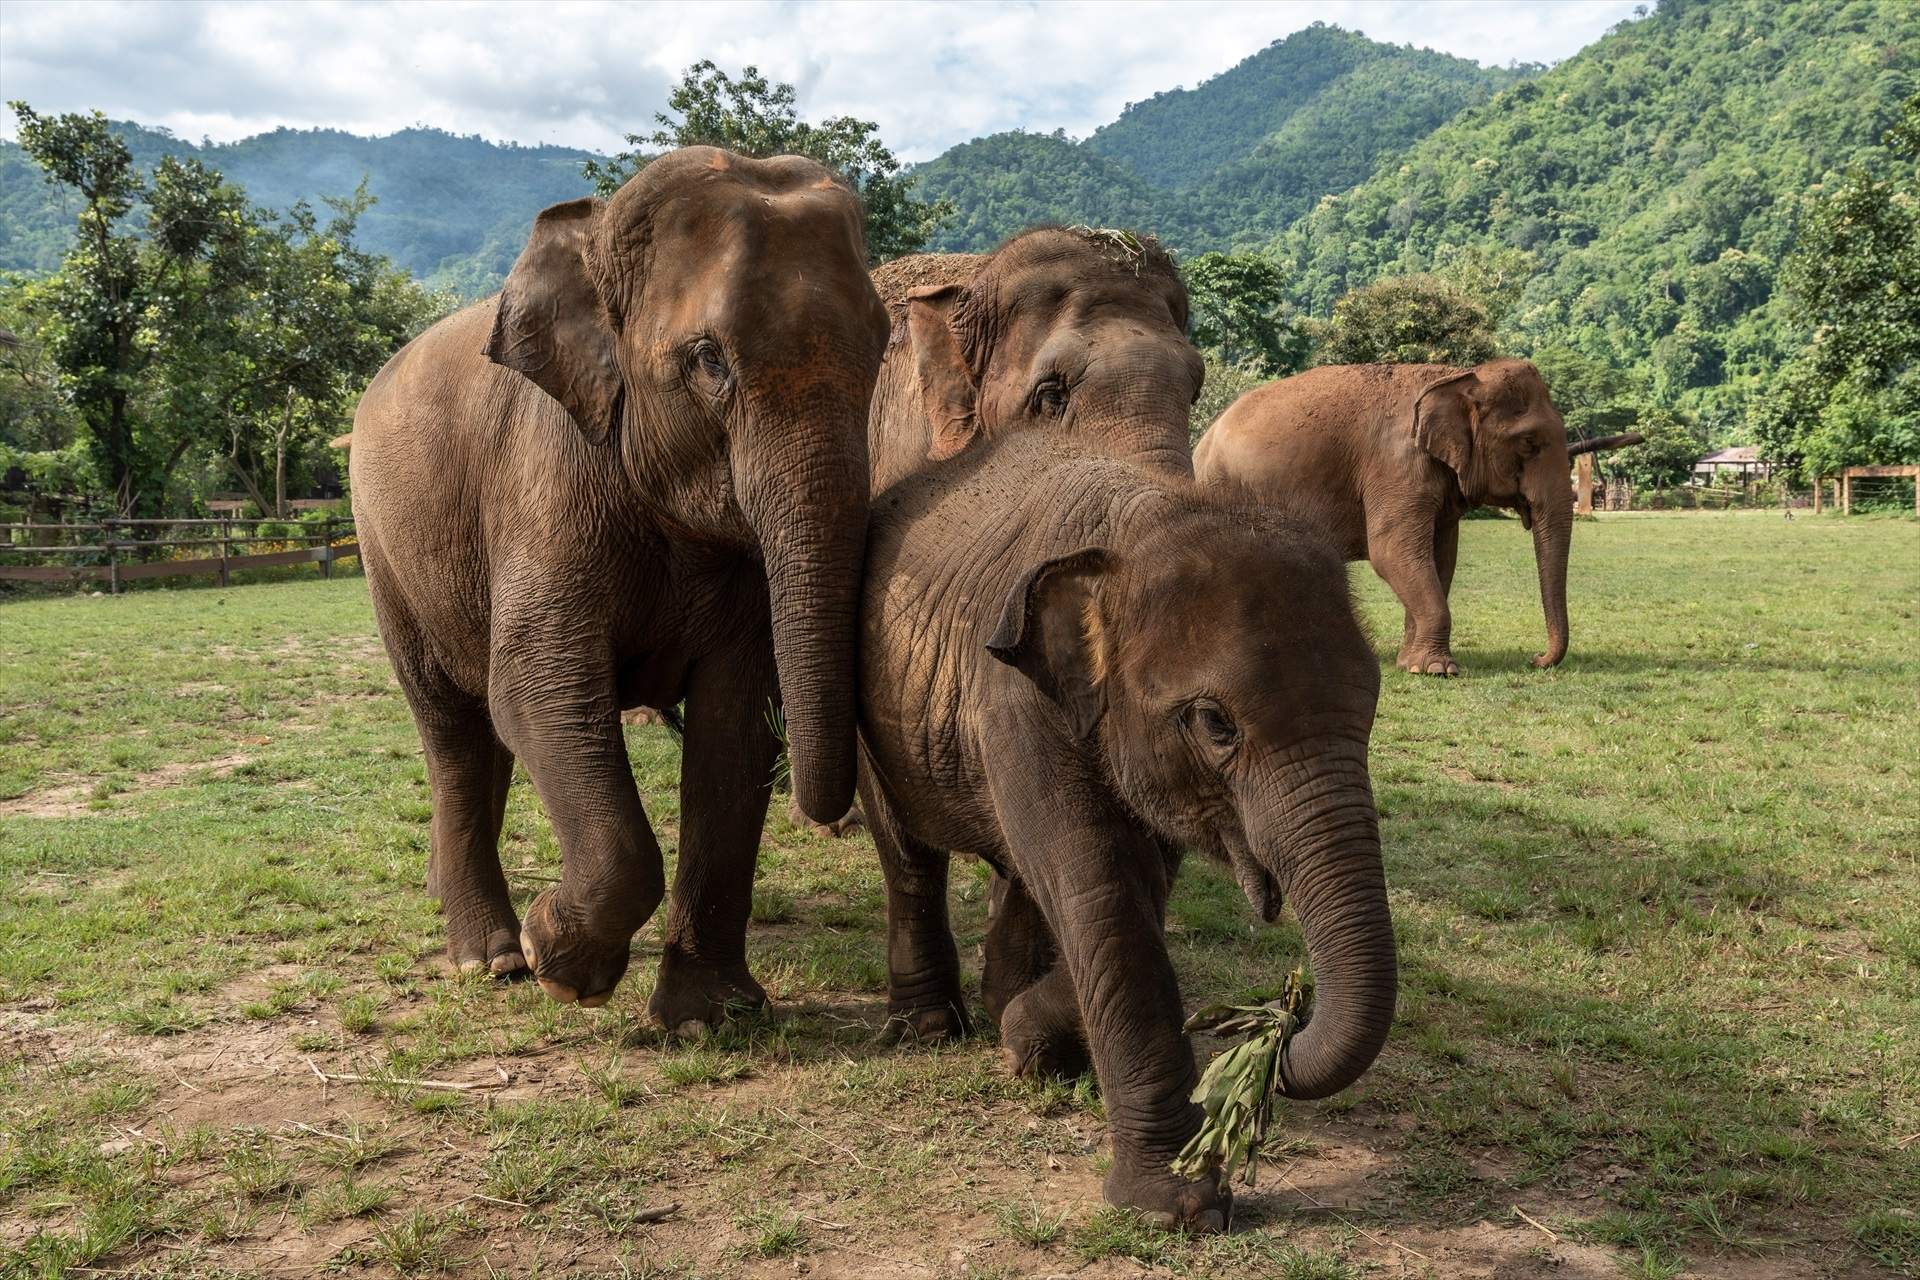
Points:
(1239, 1087)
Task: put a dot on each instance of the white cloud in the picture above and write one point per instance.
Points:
(585, 72)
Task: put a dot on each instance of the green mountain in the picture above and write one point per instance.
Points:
(1655, 179)
(452, 210)
(1229, 163)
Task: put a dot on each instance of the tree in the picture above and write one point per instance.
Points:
(119, 296)
(1665, 458)
(1852, 394)
(1596, 397)
(320, 318)
(755, 117)
(1416, 319)
(1237, 307)
(222, 332)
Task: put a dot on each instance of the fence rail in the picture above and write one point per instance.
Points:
(129, 559)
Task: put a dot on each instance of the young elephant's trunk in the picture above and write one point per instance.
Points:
(1323, 846)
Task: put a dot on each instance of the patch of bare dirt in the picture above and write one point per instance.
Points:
(71, 795)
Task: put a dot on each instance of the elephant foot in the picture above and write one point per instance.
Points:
(1041, 1037)
(484, 938)
(1427, 663)
(1202, 1205)
(571, 962)
(846, 824)
(691, 998)
(926, 1021)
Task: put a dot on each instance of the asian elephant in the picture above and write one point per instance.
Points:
(1078, 332)
(1073, 666)
(636, 476)
(1073, 331)
(1387, 457)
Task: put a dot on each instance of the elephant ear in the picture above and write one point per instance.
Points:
(552, 324)
(1049, 632)
(1446, 415)
(948, 392)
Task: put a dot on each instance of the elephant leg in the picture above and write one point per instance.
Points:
(468, 774)
(1408, 564)
(726, 771)
(1102, 886)
(556, 709)
(1446, 548)
(924, 1001)
(1019, 948)
(1027, 991)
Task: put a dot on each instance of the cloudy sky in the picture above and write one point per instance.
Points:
(584, 73)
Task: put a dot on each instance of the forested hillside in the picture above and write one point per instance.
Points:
(1654, 182)
(1228, 163)
(452, 210)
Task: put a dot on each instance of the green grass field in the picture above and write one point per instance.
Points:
(1659, 914)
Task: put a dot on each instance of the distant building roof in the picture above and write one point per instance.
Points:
(1739, 453)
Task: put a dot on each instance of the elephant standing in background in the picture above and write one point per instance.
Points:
(1074, 666)
(637, 476)
(1386, 458)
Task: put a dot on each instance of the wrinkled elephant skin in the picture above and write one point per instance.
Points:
(1386, 458)
(1073, 665)
(638, 476)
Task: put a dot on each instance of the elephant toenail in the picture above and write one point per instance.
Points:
(511, 962)
(692, 1029)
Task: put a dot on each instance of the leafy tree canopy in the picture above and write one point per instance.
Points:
(756, 117)
(1237, 304)
(1851, 396)
(1408, 320)
(208, 331)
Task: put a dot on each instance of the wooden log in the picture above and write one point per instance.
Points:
(1583, 469)
(1599, 443)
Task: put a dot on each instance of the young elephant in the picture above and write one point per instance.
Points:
(1072, 665)
(1387, 457)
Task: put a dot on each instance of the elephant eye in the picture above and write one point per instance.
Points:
(711, 362)
(1213, 723)
(1050, 398)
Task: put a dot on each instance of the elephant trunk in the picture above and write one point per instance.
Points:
(1329, 846)
(1552, 539)
(811, 522)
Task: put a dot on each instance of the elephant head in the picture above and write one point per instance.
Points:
(1231, 692)
(1494, 426)
(1076, 331)
(712, 326)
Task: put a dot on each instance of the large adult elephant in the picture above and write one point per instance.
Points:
(1074, 666)
(637, 476)
(1388, 457)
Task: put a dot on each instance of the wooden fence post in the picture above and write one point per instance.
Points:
(1846, 492)
(1819, 483)
(1583, 469)
(113, 560)
(226, 548)
(326, 541)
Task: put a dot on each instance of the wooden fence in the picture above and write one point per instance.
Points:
(128, 557)
(1845, 484)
